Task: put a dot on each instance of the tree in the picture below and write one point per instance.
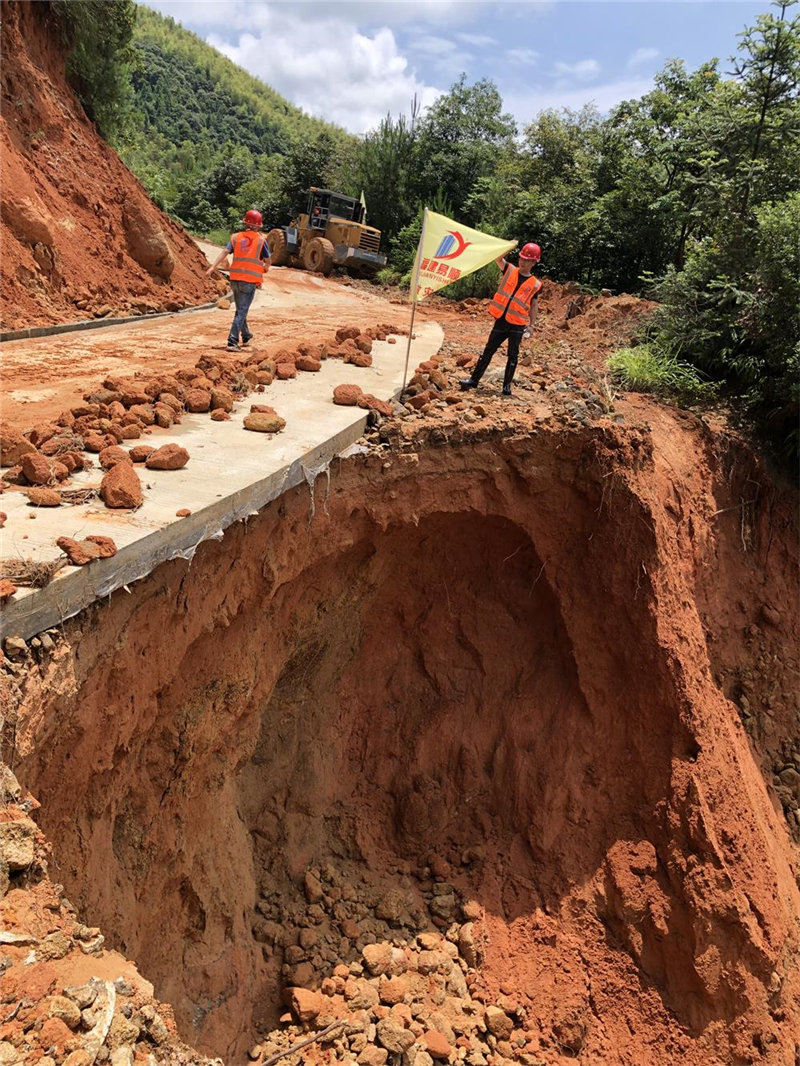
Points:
(98, 36)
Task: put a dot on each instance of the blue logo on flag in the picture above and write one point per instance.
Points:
(446, 245)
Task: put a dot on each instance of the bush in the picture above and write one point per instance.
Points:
(646, 369)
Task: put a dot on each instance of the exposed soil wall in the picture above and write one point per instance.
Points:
(502, 655)
(80, 237)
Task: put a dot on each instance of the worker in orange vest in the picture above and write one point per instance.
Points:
(514, 308)
(251, 260)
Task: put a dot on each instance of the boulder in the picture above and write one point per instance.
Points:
(261, 422)
(284, 371)
(79, 552)
(38, 469)
(16, 843)
(221, 398)
(308, 363)
(7, 589)
(147, 242)
(167, 457)
(140, 452)
(121, 487)
(111, 456)
(197, 401)
(44, 497)
(13, 446)
(347, 395)
(306, 1005)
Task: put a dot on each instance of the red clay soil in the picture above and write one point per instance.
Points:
(80, 237)
(491, 660)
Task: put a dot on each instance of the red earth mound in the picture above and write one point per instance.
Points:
(80, 237)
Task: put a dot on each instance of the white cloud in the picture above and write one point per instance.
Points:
(337, 73)
(523, 56)
(583, 70)
(438, 56)
(642, 55)
(526, 105)
(477, 40)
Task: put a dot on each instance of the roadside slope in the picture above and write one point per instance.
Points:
(80, 237)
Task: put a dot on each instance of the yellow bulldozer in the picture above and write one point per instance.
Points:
(331, 232)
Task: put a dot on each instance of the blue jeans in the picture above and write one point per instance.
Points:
(243, 293)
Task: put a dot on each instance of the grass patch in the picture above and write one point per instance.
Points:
(644, 369)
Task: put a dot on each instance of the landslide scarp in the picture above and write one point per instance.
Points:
(482, 664)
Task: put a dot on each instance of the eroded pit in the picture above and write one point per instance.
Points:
(477, 667)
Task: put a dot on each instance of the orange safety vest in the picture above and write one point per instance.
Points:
(515, 305)
(247, 263)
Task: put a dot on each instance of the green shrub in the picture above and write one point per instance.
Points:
(646, 369)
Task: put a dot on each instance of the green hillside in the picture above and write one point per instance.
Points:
(206, 127)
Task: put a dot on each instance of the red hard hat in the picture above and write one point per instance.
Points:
(531, 251)
(253, 218)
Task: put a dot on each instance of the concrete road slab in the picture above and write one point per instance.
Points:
(231, 474)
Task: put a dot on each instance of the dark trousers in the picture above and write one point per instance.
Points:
(243, 293)
(501, 331)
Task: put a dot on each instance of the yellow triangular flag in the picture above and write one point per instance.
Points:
(448, 251)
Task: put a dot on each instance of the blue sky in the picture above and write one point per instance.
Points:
(352, 62)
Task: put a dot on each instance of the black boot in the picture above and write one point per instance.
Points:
(506, 390)
(468, 383)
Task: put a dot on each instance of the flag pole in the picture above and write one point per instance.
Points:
(414, 288)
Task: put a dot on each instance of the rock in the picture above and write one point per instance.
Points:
(121, 487)
(111, 456)
(264, 423)
(393, 1036)
(144, 412)
(183, 513)
(147, 242)
(7, 590)
(37, 468)
(347, 395)
(219, 415)
(167, 457)
(16, 842)
(347, 332)
(106, 545)
(27, 219)
(361, 995)
(79, 553)
(307, 363)
(3, 518)
(498, 1023)
(284, 371)
(372, 403)
(373, 1056)
(305, 1004)
(358, 358)
(435, 1044)
(13, 446)
(770, 615)
(15, 648)
(140, 452)
(468, 945)
(197, 401)
(93, 442)
(223, 304)
(64, 1009)
(392, 990)
(221, 398)
(43, 497)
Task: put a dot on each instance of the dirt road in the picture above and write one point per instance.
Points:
(43, 376)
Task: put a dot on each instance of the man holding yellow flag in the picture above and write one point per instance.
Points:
(514, 308)
(448, 251)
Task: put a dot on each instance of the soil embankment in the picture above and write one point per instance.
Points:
(494, 665)
(80, 237)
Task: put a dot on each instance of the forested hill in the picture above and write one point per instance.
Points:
(197, 107)
(186, 90)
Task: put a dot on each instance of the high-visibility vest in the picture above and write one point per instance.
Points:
(515, 305)
(247, 263)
